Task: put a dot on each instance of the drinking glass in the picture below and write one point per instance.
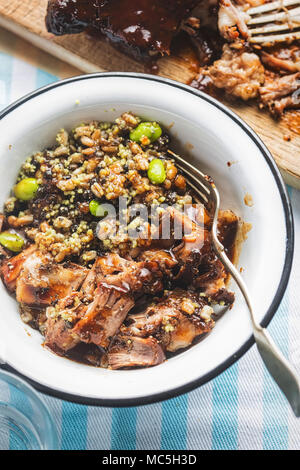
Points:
(25, 422)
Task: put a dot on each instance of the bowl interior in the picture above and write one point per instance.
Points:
(208, 137)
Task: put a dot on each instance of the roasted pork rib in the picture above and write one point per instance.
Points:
(140, 28)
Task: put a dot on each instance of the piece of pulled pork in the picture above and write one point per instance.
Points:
(238, 72)
(197, 263)
(43, 282)
(38, 280)
(132, 351)
(101, 319)
(95, 314)
(175, 320)
(233, 18)
(282, 58)
(280, 93)
(58, 327)
(11, 268)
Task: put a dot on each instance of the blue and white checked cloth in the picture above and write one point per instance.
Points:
(241, 409)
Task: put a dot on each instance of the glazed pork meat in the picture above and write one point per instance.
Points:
(124, 275)
(267, 73)
(43, 282)
(59, 324)
(97, 322)
(103, 317)
(175, 320)
(95, 314)
(141, 28)
(197, 263)
(132, 351)
(71, 16)
(37, 280)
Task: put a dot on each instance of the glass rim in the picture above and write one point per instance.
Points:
(31, 393)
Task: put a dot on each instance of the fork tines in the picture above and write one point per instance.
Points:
(278, 21)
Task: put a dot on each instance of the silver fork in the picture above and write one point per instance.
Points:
(280, 369)
(277, 21)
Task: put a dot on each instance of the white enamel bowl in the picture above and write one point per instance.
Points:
(210, 136)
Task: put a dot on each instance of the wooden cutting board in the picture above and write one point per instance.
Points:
(26, 18)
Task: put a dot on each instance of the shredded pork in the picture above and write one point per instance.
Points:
(240, 73)
(280, 93)
(232, 20)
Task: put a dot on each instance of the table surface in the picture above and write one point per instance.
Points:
(230, 412)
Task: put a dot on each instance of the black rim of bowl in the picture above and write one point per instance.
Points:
(285, 272)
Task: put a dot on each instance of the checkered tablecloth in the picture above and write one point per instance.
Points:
(234, 411)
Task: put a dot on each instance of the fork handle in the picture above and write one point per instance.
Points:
(280, 369)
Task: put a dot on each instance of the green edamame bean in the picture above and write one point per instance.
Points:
(97, 209)
(156, 171)
(151, 130)
(26, 189)
(11, 241)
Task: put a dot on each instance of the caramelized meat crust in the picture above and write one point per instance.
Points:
(139, 27)
(175, 320)
(71, 17)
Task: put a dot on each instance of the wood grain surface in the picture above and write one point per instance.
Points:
(26, 18)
